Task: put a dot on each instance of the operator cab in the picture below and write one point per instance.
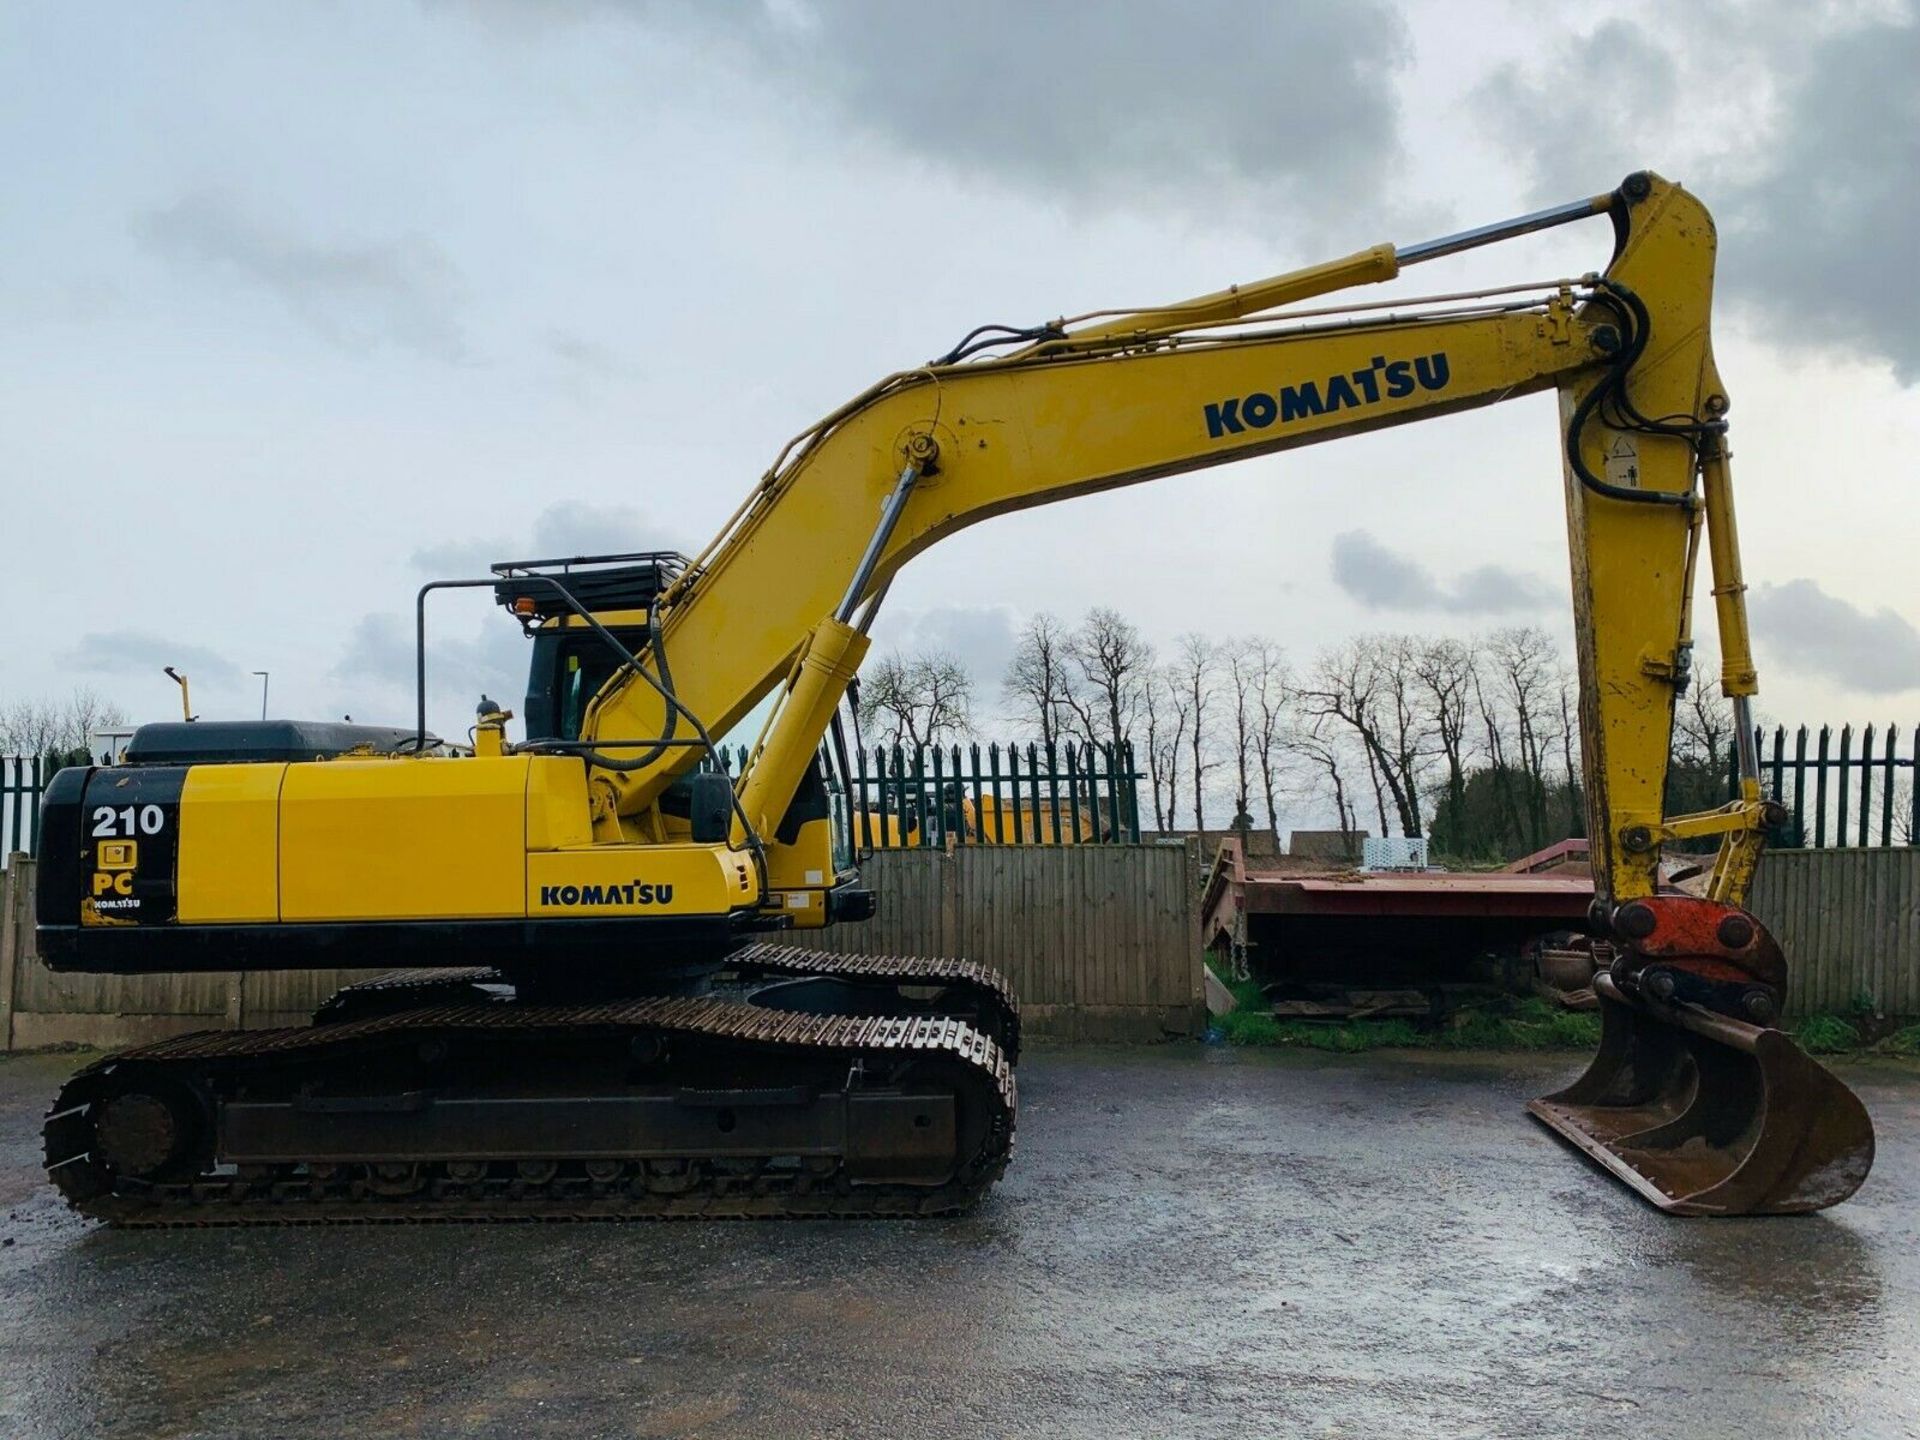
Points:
(571, 661)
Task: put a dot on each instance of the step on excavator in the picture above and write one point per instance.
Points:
(594, 1005)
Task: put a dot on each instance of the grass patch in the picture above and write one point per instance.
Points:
(1826, 1035)
(1904, 1043)
(1513, 1023)
(1509, 1023)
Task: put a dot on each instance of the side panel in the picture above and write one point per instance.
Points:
(557, 810)
(637, 880)
(403, 839)
(800, 873)
(230, 844)
(129, 831)
(59, 879)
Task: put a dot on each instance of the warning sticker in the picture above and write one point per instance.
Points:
(1623, 463)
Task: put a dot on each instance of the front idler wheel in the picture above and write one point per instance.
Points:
(150, 1129)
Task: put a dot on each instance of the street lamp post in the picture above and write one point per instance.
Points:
(263, 674)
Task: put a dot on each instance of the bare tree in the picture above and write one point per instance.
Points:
(1703, 717)
(1039, 680)
(1486, 699)
(1197, 670)
(1257, 695)
(917, 700)
(1113, 661)
(1272, 690)
(1528, 672)
(1167, 713)
(1569, 733)
(1368, 685)
(1396, 658)
(1319, 745)
(30, 727)
(1444, 670)
(45, 726)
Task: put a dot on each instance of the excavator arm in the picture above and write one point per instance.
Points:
(1694, 1100)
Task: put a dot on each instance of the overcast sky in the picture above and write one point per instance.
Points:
(303, 304)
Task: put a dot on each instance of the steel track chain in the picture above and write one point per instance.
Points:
(983, 984)
(975, 1062)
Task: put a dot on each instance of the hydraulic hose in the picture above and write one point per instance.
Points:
(1638, 324)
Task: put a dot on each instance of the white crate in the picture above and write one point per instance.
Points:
(1393, 852)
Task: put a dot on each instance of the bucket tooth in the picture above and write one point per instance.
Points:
(1701, 1114)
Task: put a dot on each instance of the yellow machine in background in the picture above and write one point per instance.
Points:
(959, 820)
(605, 878)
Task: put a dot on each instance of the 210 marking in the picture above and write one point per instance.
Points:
(109, 822)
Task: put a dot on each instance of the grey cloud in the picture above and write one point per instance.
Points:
(981, 637)
(565, 528)
(463, 559)
(375, 679)
(117, 651)
(1221, 99)
(1569, 147)
(403, 291)
(1824, 244)
(43, 300)
(1815, 633)
(580, 527)
(376, 673)
(584, 356)
(1381, 579)
(1817, 211)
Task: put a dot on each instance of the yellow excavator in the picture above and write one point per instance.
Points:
(596, 1017)
(952, 817)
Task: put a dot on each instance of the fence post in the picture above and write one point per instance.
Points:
(999, 811)
(1866, 783)
(1820, 790)
(927, 820)
(1913, 763)
(1131, 793)
(12, 889)
(939, 806)
(1013, 781)
(1053, 789)
(18, 791)
(950, 862)
(1846, 751)
(860, 801)
(40, 781)
(1886, 788)
(1800, 789)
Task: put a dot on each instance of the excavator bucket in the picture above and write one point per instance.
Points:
(1702, 1114)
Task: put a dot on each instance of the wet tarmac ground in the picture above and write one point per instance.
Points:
(1191, 1242)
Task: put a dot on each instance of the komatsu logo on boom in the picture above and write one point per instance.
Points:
(1384, 379)
(636, 893)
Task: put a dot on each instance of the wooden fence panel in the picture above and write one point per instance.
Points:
(1100, 941)
(1849, 921)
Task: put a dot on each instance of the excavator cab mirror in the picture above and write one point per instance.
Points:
(712, 808)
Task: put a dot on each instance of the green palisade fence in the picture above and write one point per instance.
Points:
(21, 781)
(1855, 788)
(1036, 792)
